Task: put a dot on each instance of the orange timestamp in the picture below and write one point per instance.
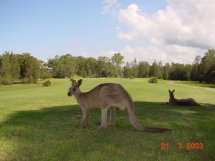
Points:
(187, 146)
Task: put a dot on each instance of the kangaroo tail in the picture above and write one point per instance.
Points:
(136, 125)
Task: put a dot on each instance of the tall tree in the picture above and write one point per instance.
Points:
(207, 67)
(155, 70)
(91, 67)
(195, 71)
(64, 66)
(9, 68)
(179, 72)
(32, 69)
(166, 71)
(105, 67)
(127, 71)
(134, 68)
(143, 69)
(117, 61)
(45, 72)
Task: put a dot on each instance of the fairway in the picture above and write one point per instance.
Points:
(42, 123)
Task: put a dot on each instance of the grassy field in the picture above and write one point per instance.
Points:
(196, 83)
(43, 124)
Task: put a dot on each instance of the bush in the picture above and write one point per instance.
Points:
(6, 80)
(47, 83)
(153, 80)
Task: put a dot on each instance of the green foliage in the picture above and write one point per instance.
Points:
(131, 70)
(117, 61)
(179, 72)
(45, 72)
(207, 67)
(156, 70)
(166, 71)
(63, 66)
(67, 66)
(195, 71)
(127, 71)
(104, 67)
(153, 80)
(47, 83)
(29, 69)
(143, 69)
(9, 68)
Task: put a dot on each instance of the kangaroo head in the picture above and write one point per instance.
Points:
(74, 87)
(171, 93)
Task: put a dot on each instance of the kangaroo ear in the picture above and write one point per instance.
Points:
(74, 82)
(173, 90)
(79, 82)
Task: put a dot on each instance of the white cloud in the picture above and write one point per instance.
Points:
(110, 6)
(184, 29)
(166, 54)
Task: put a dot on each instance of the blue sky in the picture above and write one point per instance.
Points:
(46, 28)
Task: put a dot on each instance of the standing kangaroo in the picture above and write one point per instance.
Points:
(106, 96)
(186, 101)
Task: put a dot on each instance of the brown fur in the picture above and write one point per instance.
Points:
(182, 102)
(106, 96)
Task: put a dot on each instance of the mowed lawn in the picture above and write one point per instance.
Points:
(43, 124)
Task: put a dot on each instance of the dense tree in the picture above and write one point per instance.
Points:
(104, 67)
(91, 67)
(45, 71)
(64, 66)
(143, 69)
(195, 71)
(207, 67)
(117, 61)
(134, 68)
(29, 69)
(127, 71)
(156, 70)
(9, 68)
(166, 71)
(179, 72)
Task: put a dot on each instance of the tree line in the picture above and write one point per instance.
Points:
(28, 69)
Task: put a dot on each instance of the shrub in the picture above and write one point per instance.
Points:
(47, 83)
(153, 80)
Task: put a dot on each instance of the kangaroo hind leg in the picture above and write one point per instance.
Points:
(104, 118)
(112, 116)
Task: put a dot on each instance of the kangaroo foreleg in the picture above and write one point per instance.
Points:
(85, 117)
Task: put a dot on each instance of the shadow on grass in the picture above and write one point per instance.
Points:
(54, 133)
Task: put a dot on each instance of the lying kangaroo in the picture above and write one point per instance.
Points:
(105, 96)
(185, 102)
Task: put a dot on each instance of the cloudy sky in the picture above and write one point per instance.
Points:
(170, 31)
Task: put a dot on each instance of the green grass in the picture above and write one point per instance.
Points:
(42, 123)
(196, 83)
